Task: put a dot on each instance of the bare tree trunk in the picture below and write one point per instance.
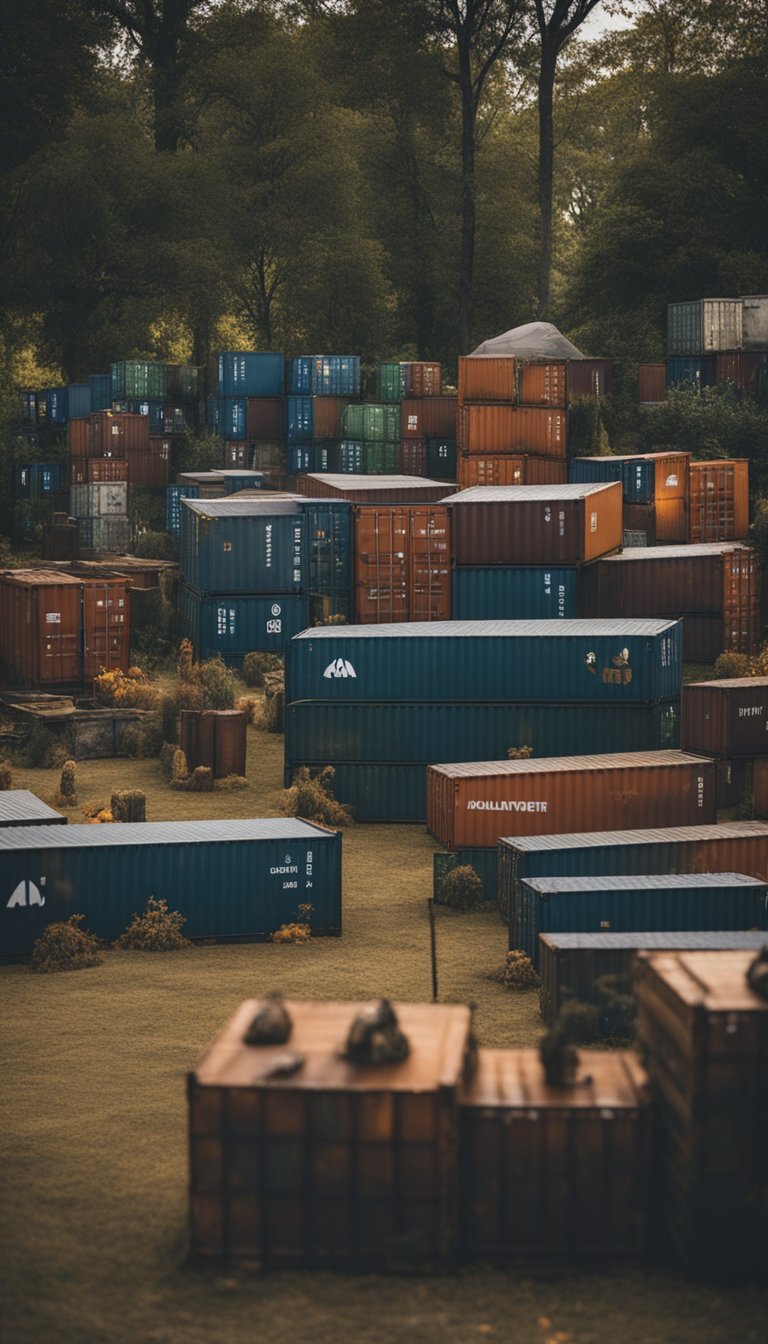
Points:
(546, 174)
(468, 200)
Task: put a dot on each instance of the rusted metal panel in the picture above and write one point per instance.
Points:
(535, 525)
(555, 1173)
(86, 470)
(422, 379)
(402, 563)
(543, 384)
(215, 738)
(511, 429)
(473, 804)
(41, 626)
(719, 500)
(106, 626)
(652, 383)
(726, 718)
(760, 787)
(745, 369)
(413, 457)
(487, 378)
(265, 417)
(704, 326)
(117, 434)
(589, 378)
(373, 489)
(151, 469)
(429, 418)
(511, 469)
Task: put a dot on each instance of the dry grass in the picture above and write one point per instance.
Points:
(93, 1127)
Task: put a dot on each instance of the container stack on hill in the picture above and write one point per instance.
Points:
(249, 403)
(320, 387)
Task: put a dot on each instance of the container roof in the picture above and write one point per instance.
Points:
(724, 830)
(491, 629)
(158, 833)
(704, 940)
(715, 981)
(731, 684)
(233, 507)
(631, 457)
(382, 483)
(21, 804)
(533, 340)
(514, 1080)
(698, 548)
(556, 765)
(644, 882)
(41, 577)
(528, 494)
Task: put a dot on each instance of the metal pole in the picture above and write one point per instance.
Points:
(432, 946)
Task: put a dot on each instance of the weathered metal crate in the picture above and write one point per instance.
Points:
(337, 1165)
(554, 1173)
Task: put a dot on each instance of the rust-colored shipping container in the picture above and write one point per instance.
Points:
(472, 803)
(402, 563)
(543, 384)
(760, 787)
(670, 521)
(214, 738)
(652, 383)
(413, 457)
(94, 470)
(237, 453)
(487, 378)
(373, 489)
(423, 379)
(326, 417)
(117, 434)
(744, 368)
(41, 626)
(727, 718)
(555, 1172)
(511, 469)
(61, 541)
(152, 469)
(703, 1034)
(639, 525)
(589, 378)
(536, 524)
(265, 417)
(334, 1164)
(106, 626)
(429, 418)
(79, 436)
(512, 429)
(718, 507)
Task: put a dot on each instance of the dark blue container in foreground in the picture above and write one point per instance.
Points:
(232, 418)
(235, 625)
(230, 879)
(79, 400)
(328, 531)
(530, 593)
(610, 661)
(242, 545)
(313, 457)
(173, 497)
(300, 419)
(324, 375)
(633, 904)
(101, 391)
(248, 373)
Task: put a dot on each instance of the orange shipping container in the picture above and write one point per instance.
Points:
(542, 384)
(423, 379)
(78, 437)
(402, 563)
(652, 383)
(509, 429)
(719, 500)
(511, 469)
(474, 803)
(91, 470)
(106, 626)
(41, 626)
(536, 524)
(487, 378)
(429, 418)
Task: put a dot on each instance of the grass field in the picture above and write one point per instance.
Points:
(92, 1219)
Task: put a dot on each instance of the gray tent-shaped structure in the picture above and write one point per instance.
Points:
(534, 340)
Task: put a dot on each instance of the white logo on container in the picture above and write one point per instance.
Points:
(26, 893)
(340, 667)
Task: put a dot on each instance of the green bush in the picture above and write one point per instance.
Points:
(256, 664)
(461, 888)
(152, 545)
(311, 797)
(157, 930)
(65, 947)
(218, 684)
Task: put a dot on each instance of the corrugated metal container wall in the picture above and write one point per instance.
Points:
(234, 625)
(733, 847)
(113, 434)
(79, 399)
(475, 803)
(747, 371)
(325, 375)
(237, 453)
(314, 457)
(104, 534)
(754, 321)
(391, 381)
(726, 718)
(41, 626)
(760, 787)
(209, 484)
(542, 384)
(698, 370)
(570, 963)
(241, 478)
(505, 469)
(101, 392)
(385, 489)
(402, 563)
(19, 807)
(413, 457)
(318, 733)
(97, 470)
(152, 469)
(246, 373)
(181, 380)
(371, 423)
(645, 479)
(137, 378)
(314, 418)
(106, 625)
(423, 379)
(214, 738)
(704, 326)
(525, 1194)
(487, 378)
(329, 541)
(536, 525)
(39, 480)
(265, 417)
(154, 410)
(376, 791)
(719, 500)
(230, 879)
(173, 496)
(509, 429)
(441, 458)
(652, 383)
(99, 500)
(488, 660)
(242, 546)
(634, 904)
(57, 405)
(589, 378)
(29, 406)
(430, 417)
(232, 420)
(528, 593)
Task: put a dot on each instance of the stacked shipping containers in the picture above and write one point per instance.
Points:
(58, 629)
(655, 488)
(320, 387)
(511, 424)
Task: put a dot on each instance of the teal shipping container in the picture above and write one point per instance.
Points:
(250, 373)
(101, 392)
(153, 408)
(137, 378)
(237, 478)
(242, 545)
(371, 423)
(234, 625)
(329, 551)
(324, 375)
(232, 417)
(441, 459)
(733, 847)
(606, 661)
(375, 792)
(229, 879)
(79, 400)
(352, 457)
(173, 497)
(631, 903)
(304, 457)
(530, 592)
(39, 480)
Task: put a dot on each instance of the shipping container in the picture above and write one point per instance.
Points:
(733, 847)
(498, 593)
(589, 378)
(639, 525)
(214, 739)
(377, 791)
(423, 378)
(381, 459)
(760, 787)
(391, 381)
(314, 457)
(746, 370)
(151, 470)
(101, 392)
(733, 779)
(19, 807)
(646, 478)
(511, 469)
(229, 879)
(313, 419)
(234, 625)
(210, 484)
(727, 718)
(182, 381)
(232, 417)
(474, 803)
(241, 479)
(487, 378)
(362, 489)
(106, 623)
(341, 1165)
(38, 480)
(441, 459)
(704, 326)
(487, 429)
(60, 541)
(402, 563)
(265, 418)
(56, 405)
(58, 629)
(79, 402)
(696, 371)
(137, 378)
(605, 661)
(100, 500)
(109, 434)
(652, 383)
(238, 453)
(570, 963)
(154, 410)
(247, 373)
(542, 384)
(719, 500)
(634, 903)
(97, 470)
(324, 375)
(242, 545)
(555, 1173)
(703, 1032)
(29, 406)
(329, 544)
(371, 423)
(536, 524)
(754, 322)
(429, 417)
(110, 533)
(413, 457)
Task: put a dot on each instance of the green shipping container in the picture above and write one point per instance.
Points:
(137, 378)
(371, 424)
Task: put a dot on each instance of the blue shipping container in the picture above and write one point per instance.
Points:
(56, 405)
(173, 496)
(698, 370)
(497, 593)
(303, 457)
(242, 545)
(79, 401)
(229, 879)
(249, 373)
(300, 419)
(232, 418)
(324, 375)
(101, 391)
(29, 406)
(611, 661)
(155, 409)
(441, 459)
(233, 625)
(39, 480)
(242, 479)
(637, 475)
(329, 543)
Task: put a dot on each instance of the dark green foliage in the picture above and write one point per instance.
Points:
(155, 546)
(256, 664)
(710, 424)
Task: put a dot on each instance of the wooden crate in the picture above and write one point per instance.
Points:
(554, 1173)
(338, 1165)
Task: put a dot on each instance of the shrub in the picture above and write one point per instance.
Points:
(186, 660)
(37, 746)
(6, 776)
(65, 947)
(274, 702)
(517, 972)
(129, 805)
(169, 719)
(96, 813)
(230, 783)
(141, 740)
(519, 753)
(299, 932)
(167, 753)
(152, 545)
(252, 707)
(67, 795)
(256, 664)
(179, 766)
(461, 888)
(201, 779)
(157, 930)
(129, 690)
(310, 797)
(733, 665)
(218, 684)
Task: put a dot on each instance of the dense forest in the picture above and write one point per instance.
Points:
(377, 176)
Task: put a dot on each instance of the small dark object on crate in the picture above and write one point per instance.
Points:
(272, 1024)
(558, 1057)
(283, 1066)
(375, 1037)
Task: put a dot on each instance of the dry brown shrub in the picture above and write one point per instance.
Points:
(311, 797)
(65, 947)
(517, 972)
(129, 805)
(253, 708)
(230, 783)
(298, 932)
(461, 888)
(6, 776)
(733, 665)
(255, 665)
(158, 929)
(95, 812)
(519, 753)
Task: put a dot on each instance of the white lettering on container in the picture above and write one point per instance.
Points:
(505, 805)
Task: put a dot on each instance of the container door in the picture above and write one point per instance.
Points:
(106, 628)
(59, 628)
